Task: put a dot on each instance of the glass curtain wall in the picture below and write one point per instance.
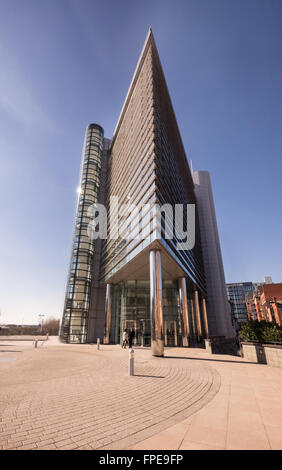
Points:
(131, 309)
(75, 318)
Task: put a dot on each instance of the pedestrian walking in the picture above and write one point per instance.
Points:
(124, 338)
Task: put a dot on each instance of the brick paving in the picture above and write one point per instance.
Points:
(75, 397)
(245, 414)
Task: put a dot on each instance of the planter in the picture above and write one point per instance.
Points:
(270, 353)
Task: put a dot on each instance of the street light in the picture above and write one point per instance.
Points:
(41, 321)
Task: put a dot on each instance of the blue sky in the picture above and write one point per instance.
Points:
(66, 63)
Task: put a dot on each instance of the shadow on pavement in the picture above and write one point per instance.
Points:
(151, 376)
(9, 351)
(206, 359)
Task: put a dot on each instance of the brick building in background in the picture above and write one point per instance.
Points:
(265, 303)
(271, 303)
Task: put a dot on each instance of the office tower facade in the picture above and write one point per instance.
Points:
(236, 293)
(139, 277)
(219, 312)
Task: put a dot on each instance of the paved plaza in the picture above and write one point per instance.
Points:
(59, 396)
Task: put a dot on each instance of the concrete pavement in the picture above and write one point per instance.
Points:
(75, 397)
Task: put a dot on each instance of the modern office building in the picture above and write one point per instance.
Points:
(144, 272)
(236, 294)
(219, 310)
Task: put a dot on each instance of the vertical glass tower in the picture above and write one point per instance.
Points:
(126, 281)
(76, 311)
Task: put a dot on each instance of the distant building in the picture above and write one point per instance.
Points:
(4, 328)
(269, 304)
(264, 303)
(236, 293)
(268, 280)
(251, 305)
(276, 306)
(219, 308)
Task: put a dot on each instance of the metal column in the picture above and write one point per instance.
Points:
(198, 316)
(108, 314)
(184, 310)
(156, 305)
(206, 325)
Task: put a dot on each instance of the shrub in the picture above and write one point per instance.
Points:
(263, 332)
(249, 331)
(271, 334)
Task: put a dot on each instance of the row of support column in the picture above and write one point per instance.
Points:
(198, 321)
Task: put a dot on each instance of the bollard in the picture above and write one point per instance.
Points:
(131, 362)
(35, 343)
(98, 343)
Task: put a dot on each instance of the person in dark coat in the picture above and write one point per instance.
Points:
(131, 337)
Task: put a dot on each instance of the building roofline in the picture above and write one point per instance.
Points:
(95, 126)
(148, 39)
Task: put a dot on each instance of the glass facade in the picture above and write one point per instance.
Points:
(75, 319)
(148, 165)
(236, 293)
(172, 167)
(131, 309)
(131, 172)
(145, 164)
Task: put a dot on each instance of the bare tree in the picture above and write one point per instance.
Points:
(51, 326)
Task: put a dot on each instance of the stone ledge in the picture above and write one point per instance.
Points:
(262, 353)
(221, 345)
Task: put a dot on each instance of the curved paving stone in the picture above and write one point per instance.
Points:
(75, 397)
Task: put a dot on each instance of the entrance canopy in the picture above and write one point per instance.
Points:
(139, 268)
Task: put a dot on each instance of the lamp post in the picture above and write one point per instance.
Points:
(41, 316)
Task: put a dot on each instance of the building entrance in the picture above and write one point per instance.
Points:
(131, 309)
(170, 333)
(142, 330)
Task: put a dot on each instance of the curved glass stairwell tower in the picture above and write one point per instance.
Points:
(76, 310)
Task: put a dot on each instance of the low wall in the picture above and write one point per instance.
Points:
(270, 354)
(221, 345)
(22, 338)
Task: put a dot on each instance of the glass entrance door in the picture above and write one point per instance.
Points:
(142, 330)
(170, 331)
(128, 325)
(131, 309)
(145, 332)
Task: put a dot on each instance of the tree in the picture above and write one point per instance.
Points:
(51, 326)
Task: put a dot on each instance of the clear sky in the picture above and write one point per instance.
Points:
(67, 63)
